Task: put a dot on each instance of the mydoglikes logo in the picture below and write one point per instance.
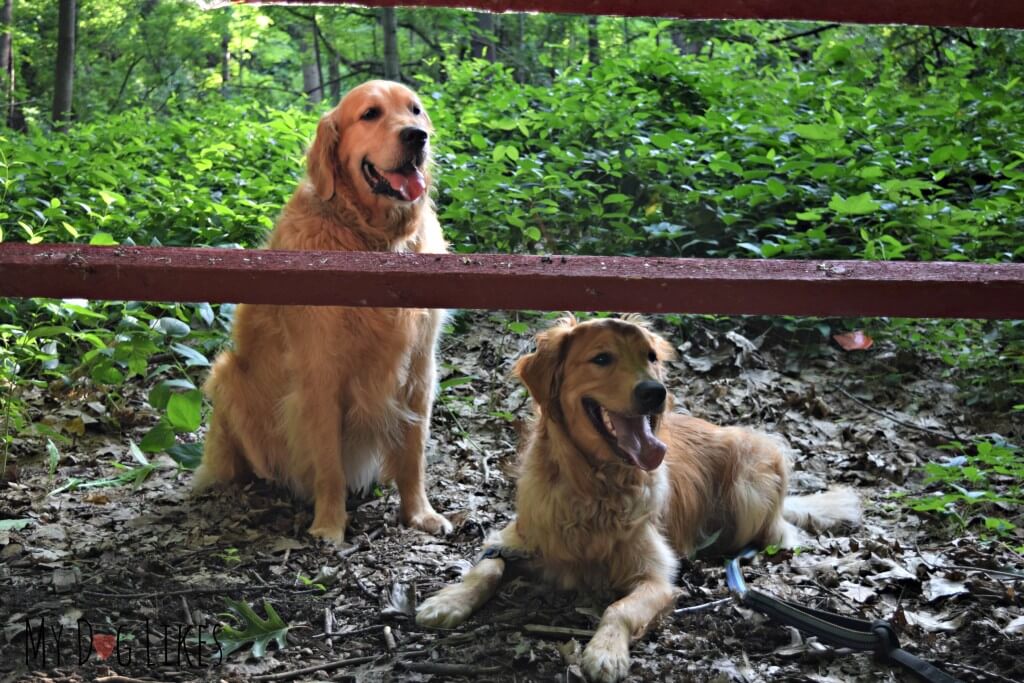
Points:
(51, 643)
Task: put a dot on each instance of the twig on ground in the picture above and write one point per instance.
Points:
(194, 591)
(123, 679)
(326, 666)
(328, 622)
(703, 607)
(363, 541)
(443, 669)
(910, 425)
(980, 672)
(558, 631)
(1005, 572)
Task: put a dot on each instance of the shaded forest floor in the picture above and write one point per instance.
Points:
(122, 557)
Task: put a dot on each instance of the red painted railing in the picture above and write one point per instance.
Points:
(976, 13)
(558, 283)
(649, 285)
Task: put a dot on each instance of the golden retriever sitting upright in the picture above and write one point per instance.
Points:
(324, 399)
(613, 487)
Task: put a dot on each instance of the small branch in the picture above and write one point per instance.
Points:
(193, 591)
(701, 608)
(980, 672)
(327, 666)
(442, 669)
(802, 34)
(364, 541)
(887, 416)
(122, 679)
(558, 631)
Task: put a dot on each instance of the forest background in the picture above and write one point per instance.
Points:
(159, 122)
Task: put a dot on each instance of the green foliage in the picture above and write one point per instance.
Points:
(657, 154)
(983, 483)
(253, 629)
(214, 177)
(133, 476)
(856, 143)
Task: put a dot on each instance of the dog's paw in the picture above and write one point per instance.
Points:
(443, 610)
(431, 522)
(606, 658)
(332, 534)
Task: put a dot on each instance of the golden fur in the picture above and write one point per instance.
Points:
(591, 515)
(324, 398)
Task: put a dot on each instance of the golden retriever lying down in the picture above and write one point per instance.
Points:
(597, 508)
(326, 398)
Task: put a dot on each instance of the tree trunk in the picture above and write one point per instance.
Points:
(310, 74)
(389, 26)
(593, 41)
(225, 63)
(334, 77)
(317, 96)
(482, 42)
(522, 59)
(65, 76)
(11, 114)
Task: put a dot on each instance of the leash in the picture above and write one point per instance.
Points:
(877, 636)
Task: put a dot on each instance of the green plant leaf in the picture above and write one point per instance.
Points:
(817, 131)
(184, 410)
(856, 205)
(192, 357)
(188, 456)
(252, 629)
(159, 438)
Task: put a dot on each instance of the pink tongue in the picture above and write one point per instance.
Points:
(409, 186)
(635, 438)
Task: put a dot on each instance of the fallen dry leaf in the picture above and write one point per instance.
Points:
(854, 341)
(1014, 627)
(937, 588)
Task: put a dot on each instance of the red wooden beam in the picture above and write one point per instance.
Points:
(490, 281)
(976, 13)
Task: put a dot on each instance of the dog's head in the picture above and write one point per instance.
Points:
(376, 143)
(601, 381)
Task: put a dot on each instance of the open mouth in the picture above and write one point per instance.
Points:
(631, 437)
(405, 183)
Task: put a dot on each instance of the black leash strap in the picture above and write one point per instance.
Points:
(856, 634)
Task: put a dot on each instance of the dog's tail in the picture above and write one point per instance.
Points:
(819, 511)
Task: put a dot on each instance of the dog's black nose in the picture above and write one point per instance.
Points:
(649, 396)
(413, 137)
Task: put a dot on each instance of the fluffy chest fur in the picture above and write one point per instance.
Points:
(584, 525)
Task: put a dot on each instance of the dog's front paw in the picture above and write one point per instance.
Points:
(443, 610)
(332, 533)
(431, 522)
(606, 658)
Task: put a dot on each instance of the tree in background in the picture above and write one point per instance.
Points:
(389, 27)
(64, 79)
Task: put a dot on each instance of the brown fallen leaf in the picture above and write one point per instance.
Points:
(854, 341)
(97, 498)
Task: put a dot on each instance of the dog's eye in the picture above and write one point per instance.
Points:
(370, 114)
(416, 111)
(652, 356)
(602, 359)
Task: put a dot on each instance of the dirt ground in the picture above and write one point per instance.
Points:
(153, 567)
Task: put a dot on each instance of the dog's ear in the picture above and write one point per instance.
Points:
(322, 158)
(541, 370)
(662, 347)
